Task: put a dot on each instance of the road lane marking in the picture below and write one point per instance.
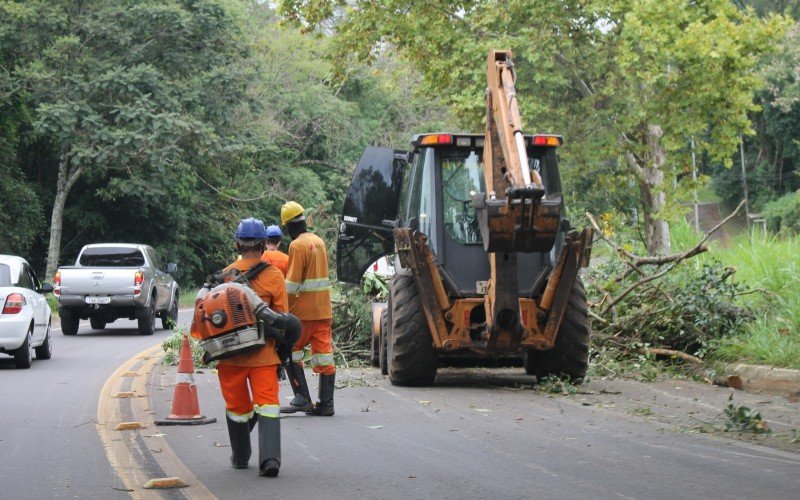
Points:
(122, 452)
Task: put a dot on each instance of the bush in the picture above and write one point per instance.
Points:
(172, 350)
(687, 310)
(352, 324)
(783, 214)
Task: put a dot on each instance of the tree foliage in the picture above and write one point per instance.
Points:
(173, 120)
(641, 76)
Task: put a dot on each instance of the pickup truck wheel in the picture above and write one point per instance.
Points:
(69, 321)
(570, 356)
(412, 360)
(23, 356)
(45, 351)
(147, 318)
(170, 318)
(97, 323)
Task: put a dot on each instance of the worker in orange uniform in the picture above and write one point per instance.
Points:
(309, 292)
(258, 368)
(273, 253)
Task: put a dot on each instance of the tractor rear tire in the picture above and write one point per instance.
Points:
(570, 356)
(411, 358)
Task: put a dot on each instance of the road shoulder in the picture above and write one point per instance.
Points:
(141, 454)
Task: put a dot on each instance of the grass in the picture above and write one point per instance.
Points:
(770, 268)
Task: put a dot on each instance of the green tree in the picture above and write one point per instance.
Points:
(121, 87)
(627, 80)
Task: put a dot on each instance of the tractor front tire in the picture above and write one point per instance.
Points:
(411, 358)
(570, 356)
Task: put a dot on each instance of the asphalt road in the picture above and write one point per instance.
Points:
(475, 434)
(477, 437)
(49, 444)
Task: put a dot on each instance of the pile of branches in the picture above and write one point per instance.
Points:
(655, 306)
(352, 325)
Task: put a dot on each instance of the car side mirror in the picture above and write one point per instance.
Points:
(46, 288)
(172, 267)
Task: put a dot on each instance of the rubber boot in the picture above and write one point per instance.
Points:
(239, 432)
(302, 400)
(325, 406)
(269, 446)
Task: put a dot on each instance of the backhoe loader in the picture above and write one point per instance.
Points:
(486, 261)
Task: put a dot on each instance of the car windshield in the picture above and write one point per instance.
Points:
(462, 176)
(111, 257)
(5, 275)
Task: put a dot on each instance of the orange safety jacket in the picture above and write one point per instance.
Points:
(277, 259)
(269, 285)
(307, 282)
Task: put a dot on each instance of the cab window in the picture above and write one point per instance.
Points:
(422, 207)
(462, 176)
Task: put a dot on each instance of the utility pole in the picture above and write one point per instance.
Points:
(744, 178)
(694, 191)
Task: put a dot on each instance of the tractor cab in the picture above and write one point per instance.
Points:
(431, 189)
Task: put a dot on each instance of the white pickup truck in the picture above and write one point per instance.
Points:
(116, 280)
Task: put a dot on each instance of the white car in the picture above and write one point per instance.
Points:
(24, 312)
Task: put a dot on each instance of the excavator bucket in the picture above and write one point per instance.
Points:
(526, 223)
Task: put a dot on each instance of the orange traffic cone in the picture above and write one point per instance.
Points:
(185, 406)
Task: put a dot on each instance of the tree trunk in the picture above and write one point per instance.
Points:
(66, 180)
(653, 196)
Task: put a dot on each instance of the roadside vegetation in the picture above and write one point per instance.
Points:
(734, 300)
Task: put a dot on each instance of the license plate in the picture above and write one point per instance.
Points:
(98, 300)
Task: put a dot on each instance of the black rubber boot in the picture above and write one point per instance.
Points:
(269, 446)
(239, 432)
(325, 406)
(302, 399)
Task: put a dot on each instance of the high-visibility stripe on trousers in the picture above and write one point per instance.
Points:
(238, 382)
(319, 335)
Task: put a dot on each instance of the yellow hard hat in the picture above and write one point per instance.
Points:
(291, 210)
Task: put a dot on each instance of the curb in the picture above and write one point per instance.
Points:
(767, 379)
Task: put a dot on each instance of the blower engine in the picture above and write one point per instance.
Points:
(231, 319)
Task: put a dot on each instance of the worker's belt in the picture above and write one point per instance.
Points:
(310, 285)
(232, 344)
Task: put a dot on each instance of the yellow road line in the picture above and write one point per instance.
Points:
(123, 446)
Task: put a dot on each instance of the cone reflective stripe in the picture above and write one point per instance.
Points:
(185, 405)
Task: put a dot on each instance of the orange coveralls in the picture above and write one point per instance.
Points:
(259, 368)
(309, 291)
(277, 259)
